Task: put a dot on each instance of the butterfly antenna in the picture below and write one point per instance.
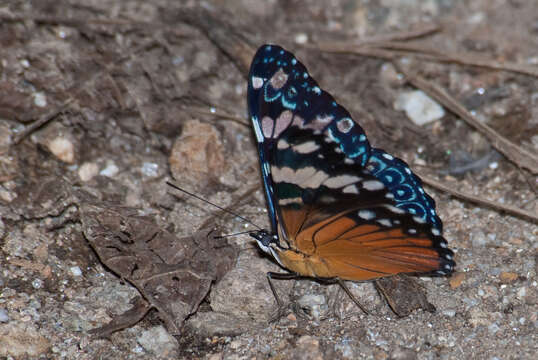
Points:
(230, 235)
(215, 205)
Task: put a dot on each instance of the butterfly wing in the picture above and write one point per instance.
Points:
(357, 211)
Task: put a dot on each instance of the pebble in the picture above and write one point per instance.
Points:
(37, 283)
(419, 107)
(150, 169)
(158, 342)
(456, 280)
(40, 100)
(4, 317)
(87, 171)
(75, 270)
(507, 277)
(301, 38)
(63, 149)
(110, 170)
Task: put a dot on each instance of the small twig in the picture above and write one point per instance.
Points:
(41, 121)
(418, 32)
(462, 59)
(511, 210)
(221, 115)
(391, 50)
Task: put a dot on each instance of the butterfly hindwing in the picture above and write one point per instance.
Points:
(342, 208)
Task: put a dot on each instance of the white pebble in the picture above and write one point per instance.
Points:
(75, 270)
(110, 170)
(158, 341)
(150, 169)
(419, 107)
(63, 149)
(4, 317)
(87, 171)
(40, 100)
(301, 38)
(37, 283)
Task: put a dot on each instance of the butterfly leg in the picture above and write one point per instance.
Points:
(353, 298)
(282, 309)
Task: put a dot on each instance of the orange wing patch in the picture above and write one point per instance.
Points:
(338, 247)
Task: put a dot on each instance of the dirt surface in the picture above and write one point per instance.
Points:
(113, 98)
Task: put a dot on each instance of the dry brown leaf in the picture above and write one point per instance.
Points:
(173, 274)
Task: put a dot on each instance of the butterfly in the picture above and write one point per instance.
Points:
(339, 208)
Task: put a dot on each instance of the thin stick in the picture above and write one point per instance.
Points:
(462, 59)
(418, 32)
(389, 49)
(221, 115)
(41, 121)
(512, 210)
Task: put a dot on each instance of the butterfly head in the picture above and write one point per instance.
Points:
(265, 240)
(269, 243)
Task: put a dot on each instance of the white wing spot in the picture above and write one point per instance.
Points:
(282, 144)
(388, 156)
(257, 82)
(340, 181)
(282, 122)
(419, 219)
(366, 214)
(373, 185)
(267, 126)
(288, 201)
(412, 231)
(443, 245)
(389, 195)
(306, 148)
(307, 177)
(436, 232)
(385, 222)
(395, 209)
(350, 189)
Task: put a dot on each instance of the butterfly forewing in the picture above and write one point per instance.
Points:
(345, 209)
